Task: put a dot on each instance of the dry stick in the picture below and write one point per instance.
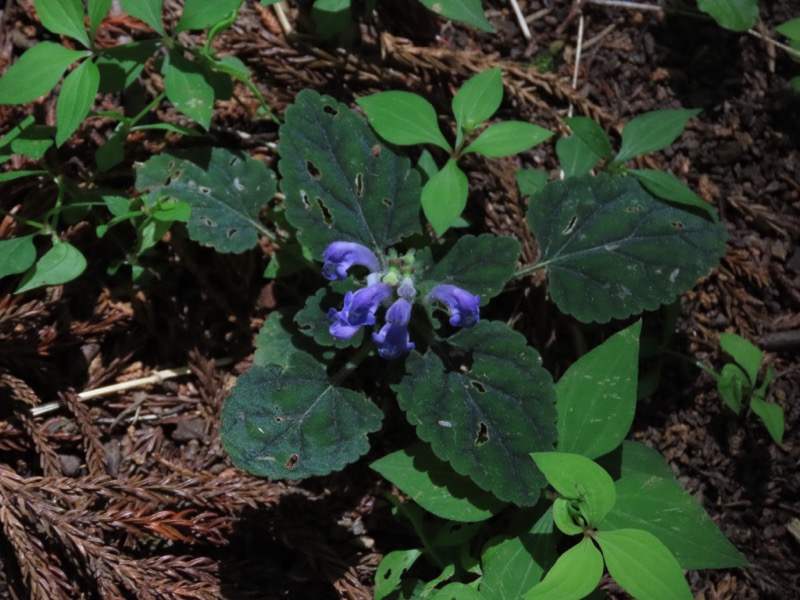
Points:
(521, 19)
(280, 12)
(156, 377)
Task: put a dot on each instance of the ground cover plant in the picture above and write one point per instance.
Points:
(454, 327)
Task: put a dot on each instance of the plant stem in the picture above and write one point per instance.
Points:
(23, 220)
(351, 365)
(529, 270)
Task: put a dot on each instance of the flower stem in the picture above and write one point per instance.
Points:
(351, 364)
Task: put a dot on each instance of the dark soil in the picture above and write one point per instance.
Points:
(131, 494)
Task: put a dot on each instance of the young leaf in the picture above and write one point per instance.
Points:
(201, 14)
(340, 182)
(188, 86)
(591, 134)
(17, 255)
(564, 513)
(666, 510)
(433, 484)
(597, 396)
(148, 11)
(478, 99)
(62, 263)
(667, 186)
(292, 423)
(75, 100)
(63, 17)
(652, 131)
(574, 156)
(735, 15)
(36, 72)
(612, 250)
(391, 569)
(508, 137)
(487, 418)
(576, 477)
(642, 565)
(744, 352)
(770, 413)
(731, 383)
(574, 576)
(444, 196)
(403, 118)
(98, 9)
(225, 191)
(466, 11)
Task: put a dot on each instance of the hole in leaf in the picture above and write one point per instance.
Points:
(231, 232)
(388, 574)
(388, 202)
(634, 209)
(233, 161)
(306, 200)
(477, 385)
(359, 185)
(205, 190)
(292, 461)
(483, 435)
(330, 110)
(170, 165)
(376, 150)
(326, 212)
(677, 224)
(208, 222)
(570, 226)
(279, 419)
(313, 171)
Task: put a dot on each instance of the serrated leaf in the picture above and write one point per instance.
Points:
(433, 484)
(574, 156)
(481, 265)
(403, 118)
(478, 99)
(391, 570)
(201, 14)
(64, 17)
(444, 196)
(17, 255)
(666, 510)
(189, 87)
(667, 186)
(340, 183)
(36, 72)
(746, 354)
(225, 191)
(613, 250)
(76, 98)
(61, 264)
(292, 423)
(591, 134)
(652, 131)
(597, 396)
(507, 138)
(735, 15)
(465, 11)
(486, 420)
(97, 9)
(642, 565)
(148, 11)
(575, 574)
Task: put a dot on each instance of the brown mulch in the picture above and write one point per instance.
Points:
(131, 494)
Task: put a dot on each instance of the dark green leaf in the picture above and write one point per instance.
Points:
(456, 591)
(662, 507)
(340, 183)
(744, 352)
(76, 98)
(613, 250)
(731, 383)
(202, 14)
(292, 423)
(112, 152)
(574, 156)
(11, 175)
(736, 15)
(391, 569)
(17, 255)
(478, 99)
(530, 181)
(486, 418)
(575, 574)
(508, 137)
(274, 345)
(667, 186)
(121, 65)
(652, 131)
(770, 413)
(790, 29)
(597, 396)
(225, 191)
(466, 11)
(433, 484)
(148, 11)
(189, 86)
(62, 263)
(64, 17)
(591, 134)
(403, 118)
(444, 196)
(36, 72)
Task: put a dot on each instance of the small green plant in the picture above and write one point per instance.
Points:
(791, 31)
(404, 118)
(738, 381)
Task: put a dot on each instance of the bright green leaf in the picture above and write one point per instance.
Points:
(652, 131)
(188, 86)
(735, 15)
(731, 383)
(478, 99)
(98, 9)
(340, 182)
(667, 186)
(530, 181)
(12, 175)
(433, 484)
(790, 29)
(591, 134)
(63, 17)
(574, 576)
(444, 196)
(391, 569)
(75, 100)
(642, 565)
(744, 352)
(666, 510)
(62, 263)
(508, 137)
(574, 156)
(487, 418)
(17, 255)
(612, 250)
(36, 72)
(34, 141)
(513, 565)
(564, 517)
(202, 14)
(597, 396)
(292, 423)
(403, 118)
(148, 11)
(772, 416)
(635, 458)
(466, 11)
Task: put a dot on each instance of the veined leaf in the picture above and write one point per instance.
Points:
(652, 131)
(403, 118)
(667, 186)
(507, 138)
(61, 264)
(98, 9)
(36, 72)
(64, 17)
(444, 196)
(189, 86)
(591, 134)
(478, 99)
(391, 569)
(76, 98)
(574, 156)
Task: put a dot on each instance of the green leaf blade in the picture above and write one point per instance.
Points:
(36, 72)
(574, 576)
(444, 196)
(97, 9)
(574, 156)
(507, 138)
(652, 131)
(189, 86)
(403, 118)
(63, 17)
(771, 415)
(59, 265)
(76, 98)
(466, 11)
(478, 99)
(17, 255)
(746, 354)
(666, 185)
(201, 14)
(148, 11)
(735, 15)
(591, 134)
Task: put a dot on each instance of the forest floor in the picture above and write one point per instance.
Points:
(133, 490)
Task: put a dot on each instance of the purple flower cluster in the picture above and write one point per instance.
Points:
(395, 285)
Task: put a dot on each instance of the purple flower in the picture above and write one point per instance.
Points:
(340, 256)
(463, 305)
(393, 340)
(359, 310)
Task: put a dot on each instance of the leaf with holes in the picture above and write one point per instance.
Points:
(484, 403)
(613, 250)
(340, 182)
(290, 422)
(224, 190)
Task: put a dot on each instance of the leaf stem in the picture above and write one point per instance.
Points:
(529, 270)
(351, 364)
(23, 220)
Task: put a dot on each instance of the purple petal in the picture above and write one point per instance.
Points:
(359, 308)
(340, 329)
(463, 306)
(340, 256)
(393, 341)
(399, 313)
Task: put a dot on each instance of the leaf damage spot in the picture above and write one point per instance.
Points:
(674, 275)
(376, 150)
(306, 201)
(207, 222)
(313, 171)
(483, 434)
(570, 226)
(290, 464)
(388, 202)
(204, 190)
(447, 424)
(634, 209)
(326, 212)
(330, 110)
(231, 232)
(238, 185)
(359, 189)
(677, 224)
(477, 385)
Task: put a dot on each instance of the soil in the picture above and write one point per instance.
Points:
(131, 494)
